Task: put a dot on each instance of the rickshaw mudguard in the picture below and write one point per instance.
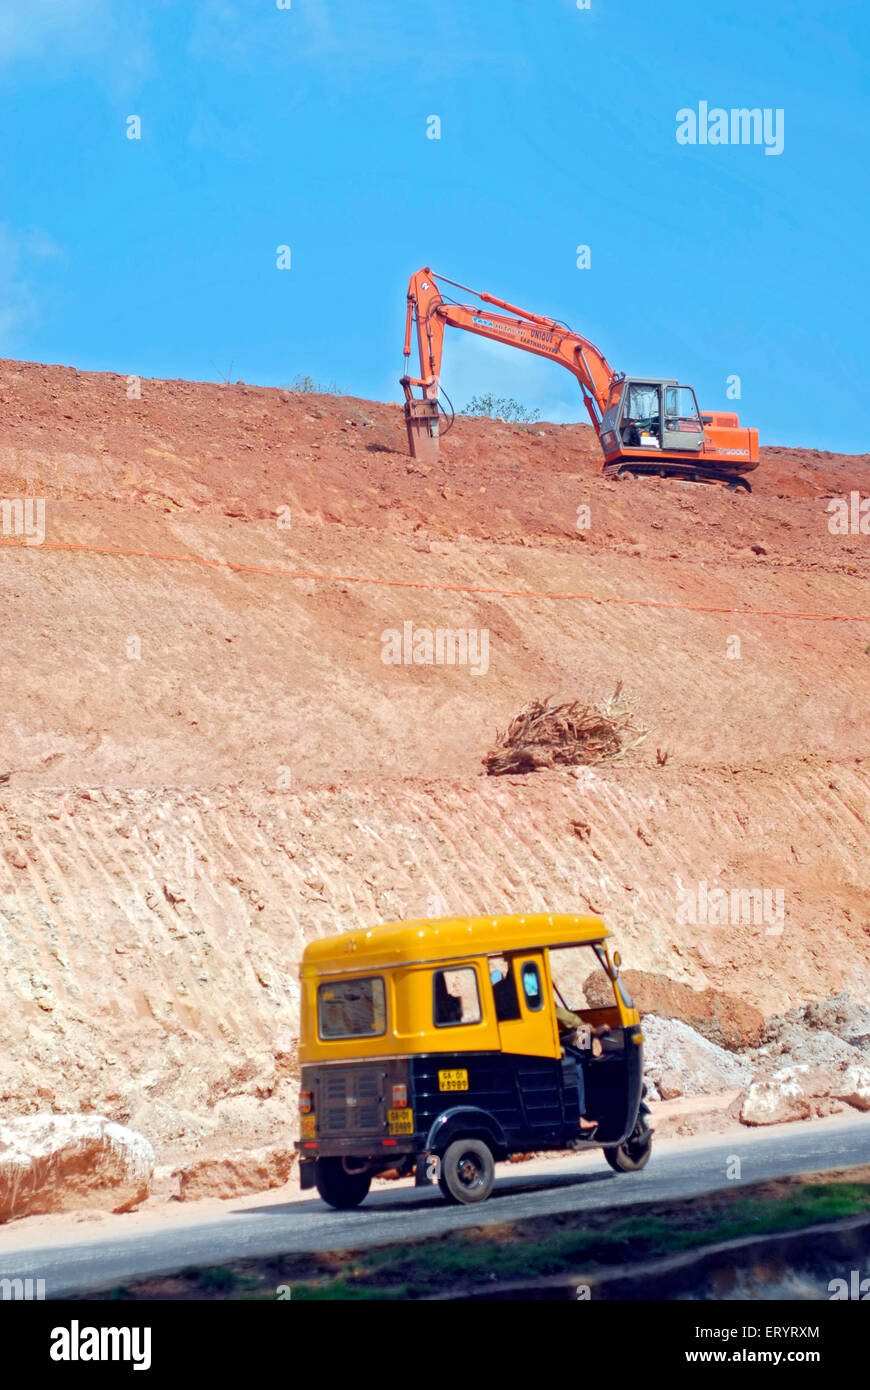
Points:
(464, 1120)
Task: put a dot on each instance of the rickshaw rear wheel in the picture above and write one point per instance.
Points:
(339, 1188)
(632, 1155)
(467, 1171)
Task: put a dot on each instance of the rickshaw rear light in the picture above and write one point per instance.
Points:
(306, 1102)
(400, 1097)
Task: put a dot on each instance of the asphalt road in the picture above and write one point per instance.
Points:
(399, 1212)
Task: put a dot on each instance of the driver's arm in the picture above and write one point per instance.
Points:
(566, 1019)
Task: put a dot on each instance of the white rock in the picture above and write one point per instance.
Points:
(786, 1095)
(791, 1092)
(854, 1087)
(64, 1162)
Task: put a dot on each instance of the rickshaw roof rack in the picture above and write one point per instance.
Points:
(447, 938)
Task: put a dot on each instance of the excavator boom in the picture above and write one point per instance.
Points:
(532, 332)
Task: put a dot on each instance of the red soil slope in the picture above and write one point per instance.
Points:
(209, 765)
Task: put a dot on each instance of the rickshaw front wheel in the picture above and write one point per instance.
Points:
(467, 1171)
(632, 1155)
(339, 1188)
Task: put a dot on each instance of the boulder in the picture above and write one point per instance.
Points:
(52, 1163)
(236, 1174)
(680, 1062)
(797, 1092)
(853, 1087)
(786, 1095)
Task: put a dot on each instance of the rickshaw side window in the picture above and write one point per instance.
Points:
(456, 999)
(352, 1008)
(532, 986)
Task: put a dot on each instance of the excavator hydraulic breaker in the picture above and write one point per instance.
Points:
(421, 421)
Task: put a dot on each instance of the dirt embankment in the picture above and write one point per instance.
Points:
(211, 765)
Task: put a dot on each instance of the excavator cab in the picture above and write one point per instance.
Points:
(660, 415)
(656, 427)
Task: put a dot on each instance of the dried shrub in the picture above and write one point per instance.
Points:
(549, 735)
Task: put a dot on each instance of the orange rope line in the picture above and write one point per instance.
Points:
(439, 588)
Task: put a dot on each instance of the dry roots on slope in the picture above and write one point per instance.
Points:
(545, 735)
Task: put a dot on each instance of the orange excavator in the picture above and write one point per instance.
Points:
(646, 425)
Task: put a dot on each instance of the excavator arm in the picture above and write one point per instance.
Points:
(431, 312)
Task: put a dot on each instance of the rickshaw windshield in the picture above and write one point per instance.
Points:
(580, 977)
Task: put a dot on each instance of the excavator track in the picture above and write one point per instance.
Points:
(732, 481)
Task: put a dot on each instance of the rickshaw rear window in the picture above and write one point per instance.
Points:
(352, 1008)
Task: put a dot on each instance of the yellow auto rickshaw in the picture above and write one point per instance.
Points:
(442, 1046)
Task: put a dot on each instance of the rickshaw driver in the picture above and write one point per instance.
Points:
(571, 1028)
(569, 1023)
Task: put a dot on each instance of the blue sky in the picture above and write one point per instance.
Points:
(307, 127)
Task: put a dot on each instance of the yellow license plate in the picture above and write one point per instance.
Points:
(400, 1121)
(453, 1080)
(308, 1127)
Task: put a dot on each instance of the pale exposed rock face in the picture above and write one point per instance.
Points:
(680, 1062)
(52, 1163)
(798, 1092)
(234, 1175)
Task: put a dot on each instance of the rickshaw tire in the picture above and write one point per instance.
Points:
(338, 1188)
(630, 1156)
(467, 1171)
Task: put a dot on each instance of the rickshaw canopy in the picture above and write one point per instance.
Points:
(427, 941)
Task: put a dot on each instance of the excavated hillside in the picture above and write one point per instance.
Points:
(210, 762)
